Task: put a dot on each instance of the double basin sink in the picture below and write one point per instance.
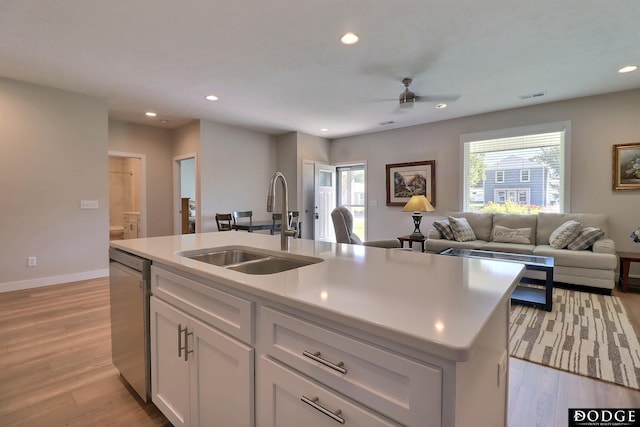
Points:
(249, 260)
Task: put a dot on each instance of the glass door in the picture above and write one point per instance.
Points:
(351, 190)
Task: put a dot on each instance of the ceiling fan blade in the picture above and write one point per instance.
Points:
(438, 98)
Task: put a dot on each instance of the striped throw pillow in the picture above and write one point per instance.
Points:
(565, 234)
(587, 237)
(444, 228)
(462, 231)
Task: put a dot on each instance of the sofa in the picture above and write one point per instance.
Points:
(592, 266)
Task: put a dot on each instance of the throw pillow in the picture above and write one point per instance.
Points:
(444, 228)
(587, 237)
(511, 235)
(563, 235)
(462, 231)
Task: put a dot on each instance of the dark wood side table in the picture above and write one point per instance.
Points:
(626, 258)
(410, 238)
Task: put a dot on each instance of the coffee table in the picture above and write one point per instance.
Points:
(541, 297)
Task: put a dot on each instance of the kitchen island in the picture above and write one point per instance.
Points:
(367, 336)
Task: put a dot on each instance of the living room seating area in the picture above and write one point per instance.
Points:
(578, 242)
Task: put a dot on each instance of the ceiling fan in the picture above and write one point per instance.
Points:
(408, 98)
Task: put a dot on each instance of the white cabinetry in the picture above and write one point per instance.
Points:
(131, 224)
(395, 386)
(200, 375)
(291, 400)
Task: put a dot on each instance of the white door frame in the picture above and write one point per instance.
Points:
(177, 196)
(143, 185)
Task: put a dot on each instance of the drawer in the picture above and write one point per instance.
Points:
(407, 391)
(229, 313)
(291, 400)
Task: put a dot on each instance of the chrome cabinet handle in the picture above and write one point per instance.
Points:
(317, 357)
(186, 345)
(315, 405)
(180, 331)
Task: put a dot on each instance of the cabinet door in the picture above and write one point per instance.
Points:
(169, 372)
(288, 399)
(222, 375)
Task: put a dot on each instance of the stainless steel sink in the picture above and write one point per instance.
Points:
(249, 261)
(226, 256)
(270, 265)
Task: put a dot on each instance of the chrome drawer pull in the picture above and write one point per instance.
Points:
(186, 345)
(316, 356)
(315, 405)
(180, 348)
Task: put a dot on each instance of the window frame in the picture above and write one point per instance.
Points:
(361, 165)
(528, 173)
(565, 156)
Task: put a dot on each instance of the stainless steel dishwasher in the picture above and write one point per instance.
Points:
(129, 286)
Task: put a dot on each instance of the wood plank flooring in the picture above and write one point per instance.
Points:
(55, 368)
(55, 361)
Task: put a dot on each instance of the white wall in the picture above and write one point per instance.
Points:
(156, 145)
(235, 167)
(597, 124)
(54, 146)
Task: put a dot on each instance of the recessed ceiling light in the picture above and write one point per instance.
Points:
(324, 130)
(441, 106)
(349, 38)
(211, 98)
(628, 69)
(150, 114)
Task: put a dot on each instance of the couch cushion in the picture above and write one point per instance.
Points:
(516, 248)
(462, 231)
(582, 259)
(511, 235)
(444, 228)
(439, 245)
(481, 223)
(587, 237)
(547, 222)
(517, 221)
(564, 234)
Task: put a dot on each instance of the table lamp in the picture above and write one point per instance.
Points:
(417, 205)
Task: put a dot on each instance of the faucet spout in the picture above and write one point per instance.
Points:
(285, 231)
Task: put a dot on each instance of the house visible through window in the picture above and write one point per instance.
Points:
(524, 169)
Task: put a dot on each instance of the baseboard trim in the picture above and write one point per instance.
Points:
(52, 280)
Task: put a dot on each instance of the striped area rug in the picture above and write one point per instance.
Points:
(586, 334)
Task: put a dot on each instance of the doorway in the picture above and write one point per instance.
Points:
(127, 196)
(319, 199)
(186, 206)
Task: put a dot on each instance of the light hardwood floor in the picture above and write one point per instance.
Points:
(55, 368)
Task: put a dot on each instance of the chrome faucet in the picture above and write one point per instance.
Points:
(285, 231)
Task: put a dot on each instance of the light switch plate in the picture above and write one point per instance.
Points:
(89, 204)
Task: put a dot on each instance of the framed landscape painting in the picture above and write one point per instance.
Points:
(411, 179)
(626, 166)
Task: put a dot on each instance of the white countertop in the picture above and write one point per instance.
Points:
(433, 303)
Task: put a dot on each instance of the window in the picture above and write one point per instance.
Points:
(528, 169)
(351, 194)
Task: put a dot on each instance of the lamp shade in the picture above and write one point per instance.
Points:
(418, 204)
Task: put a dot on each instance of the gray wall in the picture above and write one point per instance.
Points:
(597, 123)
(54, 146)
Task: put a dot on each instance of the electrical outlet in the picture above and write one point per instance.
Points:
(32, 261)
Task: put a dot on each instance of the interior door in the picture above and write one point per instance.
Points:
(324, 201)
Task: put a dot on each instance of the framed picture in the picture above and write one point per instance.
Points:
(411, 179)
(626, 166)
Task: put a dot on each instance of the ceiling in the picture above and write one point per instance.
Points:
(278, 66)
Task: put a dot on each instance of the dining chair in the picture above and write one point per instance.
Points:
(277, 223)
(242, 225)
(223, 221)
